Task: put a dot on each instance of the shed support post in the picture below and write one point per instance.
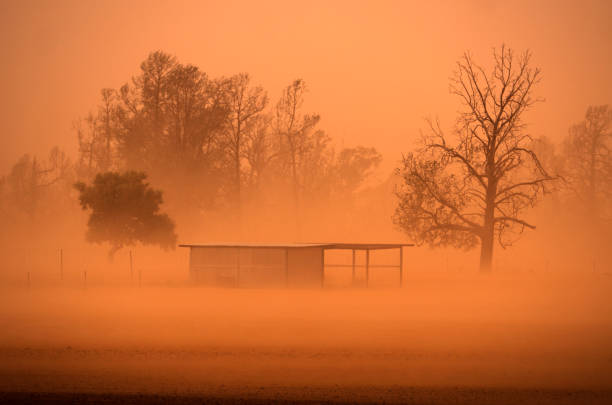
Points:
(367, 267)
(401, 266)
(62, 264)
(322, 267)
(192, 273)
(237, 267)
(286, 267)
(353, 275)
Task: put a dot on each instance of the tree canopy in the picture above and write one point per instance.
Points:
(124, 211)
(218, 144)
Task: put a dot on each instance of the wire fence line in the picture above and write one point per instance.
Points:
(74, 265)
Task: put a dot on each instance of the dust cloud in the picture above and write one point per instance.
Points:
(502, 332)
(89, 325)
(336, 97)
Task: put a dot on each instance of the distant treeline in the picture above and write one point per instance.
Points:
(234, 164)
(209, 143)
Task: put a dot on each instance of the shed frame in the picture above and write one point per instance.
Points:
(287, 248)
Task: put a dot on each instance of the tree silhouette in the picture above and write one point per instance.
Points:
(97, 136)
(296, 137)
(474, 189)
(354, 166)
(244, 104)
(30, 177)
(260, 150)
(216, 144)
(588, 162)
(167, 122)
(124, 211)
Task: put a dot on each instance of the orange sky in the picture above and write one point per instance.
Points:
(375, 69)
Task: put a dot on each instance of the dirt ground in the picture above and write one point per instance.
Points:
(459, 340)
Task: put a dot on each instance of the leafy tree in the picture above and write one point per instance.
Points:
(474, 188)
(124, 211)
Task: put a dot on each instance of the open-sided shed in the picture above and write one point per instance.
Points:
(276, 265)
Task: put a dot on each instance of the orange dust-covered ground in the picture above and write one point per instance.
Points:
(440, 339)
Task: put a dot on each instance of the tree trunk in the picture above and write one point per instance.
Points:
(238, 189)
(593, 210)
(237, 185)
(296, 194)
(488, 230)
(486, 251)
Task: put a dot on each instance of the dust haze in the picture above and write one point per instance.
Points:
(127, 133)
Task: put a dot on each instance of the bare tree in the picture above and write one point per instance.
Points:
(153, 84)
(144, 112)
(294, 130)
(97, 136)
(185, 105)
(259, 150)
(588, 162)
(316, 168)
(106, 116)
(475, 189)
(354, 166)
(30, 178)
(87, 137)
(211, 143)
(169, 121)
(245, 103)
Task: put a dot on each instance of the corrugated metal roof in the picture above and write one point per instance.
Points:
(255, 245)
(356, 246)
(370, 246)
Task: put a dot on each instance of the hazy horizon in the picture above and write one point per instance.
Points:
(374, 70)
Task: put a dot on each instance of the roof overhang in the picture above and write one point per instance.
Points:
(338, 246)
